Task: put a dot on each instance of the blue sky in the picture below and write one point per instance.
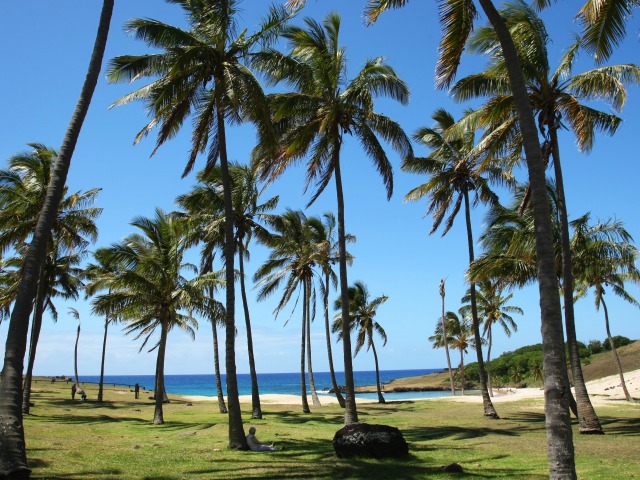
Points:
(46, 49)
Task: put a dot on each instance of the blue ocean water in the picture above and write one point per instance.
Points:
(282, 383)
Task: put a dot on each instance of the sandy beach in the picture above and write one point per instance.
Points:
(604, 391)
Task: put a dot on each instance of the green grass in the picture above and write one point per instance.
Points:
(116, 440)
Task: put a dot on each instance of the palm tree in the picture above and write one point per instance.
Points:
(150, 292)
(13, 459)
(101, 275)
(328, 255)
(455, 175)
(444, 335)
(74, 313)
(457, 19)
(316, 117)
(493, 310)
(200, 72)
(362, 312)
(606, 258)
(458, 334)
(293, 241)
(23, 190)
(556, 97)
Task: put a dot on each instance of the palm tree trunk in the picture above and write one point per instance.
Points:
(36, 326)
(560, 448)
(303, 382)
(614, 350)
(445, 341)
(462, 369)
(350, 412)
(222, 407)
(589, 421)
(104, 351)
(236, 430)
(312, 383)
(490, 332)
(158, 414)
(13, 458)
(75, 356)
(375, 359)
(256, 411)
(334, 383)
(489, 410)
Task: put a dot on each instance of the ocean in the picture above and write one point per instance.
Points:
(280, 383)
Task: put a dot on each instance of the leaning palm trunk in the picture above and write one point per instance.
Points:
(462, 370)
(303, 381)
(445, 340)
(256, 411)
(312, 383)
(104, 351)
(589, 421)
(614, 350)
(489, 410)
(560, 448)
(236, 430)
(222, 407)
(13, 457)
(158, 414)
(36, 326)
(375, 359)
(336, 388)
(350, 413)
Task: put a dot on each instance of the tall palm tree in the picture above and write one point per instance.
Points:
(454, 175)
(201, 72)
(493, 310)
(328, 255)
(74, 313)
(315, 119)
(23, 190)
(362, 312)
(458, 333)
(202, 206)
(444, 335)
(151, 293)
(13, 459)
(557, 97)
(456, 18)
(293, 242)
(101, 274)
(606, 258)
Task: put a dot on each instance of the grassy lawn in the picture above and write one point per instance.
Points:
(115, 440)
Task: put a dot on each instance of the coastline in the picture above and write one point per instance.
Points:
(604, 391)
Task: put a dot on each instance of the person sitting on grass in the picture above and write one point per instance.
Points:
(256, 445)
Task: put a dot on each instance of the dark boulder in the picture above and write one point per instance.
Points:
(364, 440)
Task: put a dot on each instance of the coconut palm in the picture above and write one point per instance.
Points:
(101, 274)
(493, 310)
(454, 176)
(316, 118)
(557, 97)
(328, 254)
(444, 335)
(457, 20)
(201, 72)
(458, 333)
(13, 453)
(362, 312)
(23, 190)
(74, 313)
(151, 293)
(293, 241)
(606, 258)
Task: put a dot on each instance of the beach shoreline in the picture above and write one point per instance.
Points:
(604, 391)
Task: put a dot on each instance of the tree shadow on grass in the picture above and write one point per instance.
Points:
(621, 425)
(422, 434)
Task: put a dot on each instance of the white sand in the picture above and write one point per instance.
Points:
(601, 392)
